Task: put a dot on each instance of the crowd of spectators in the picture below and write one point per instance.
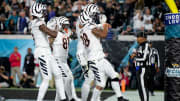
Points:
(123, 15)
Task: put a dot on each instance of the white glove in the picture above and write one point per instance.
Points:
(81, 58)
(51, 24)
(102, 18)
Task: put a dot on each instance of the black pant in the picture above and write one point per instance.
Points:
(151, 79)
(29, 71)
(142, 79)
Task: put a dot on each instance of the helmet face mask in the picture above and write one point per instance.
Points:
(45, 13)
(63, 23)
(65, 26)
(91, 13)
(95, 17)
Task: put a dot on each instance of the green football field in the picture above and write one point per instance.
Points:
(133, 96)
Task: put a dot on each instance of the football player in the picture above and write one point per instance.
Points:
(82, 58)
(48, 64)
(90, 34)
(60, 47)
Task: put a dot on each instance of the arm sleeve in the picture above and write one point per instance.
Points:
(136, 17)
(145, 54)
(11, 58)
(25, 60)
(20, 57)
(32, 61)
(80, 54)
(157, 57)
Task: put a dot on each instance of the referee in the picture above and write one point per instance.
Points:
(142, 64)
(154, 67)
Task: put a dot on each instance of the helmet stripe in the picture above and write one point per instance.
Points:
(37, 8)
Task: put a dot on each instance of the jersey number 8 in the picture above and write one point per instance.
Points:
(65, 43)
(85, 39)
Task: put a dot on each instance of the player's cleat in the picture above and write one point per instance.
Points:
(72, 100)
(2, 98)
(122, 99)
(77, 99)
(152, 94)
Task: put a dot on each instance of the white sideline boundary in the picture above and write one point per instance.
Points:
(120, 37)
(16, 37)
(134, 96)
(149, 37)
(131, 95)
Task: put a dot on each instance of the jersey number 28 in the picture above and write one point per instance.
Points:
(65, 42)
(85, 39)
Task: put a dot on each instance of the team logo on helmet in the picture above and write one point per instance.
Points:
(90, 14)
(91, 10)
(63, 20)
(38, 10)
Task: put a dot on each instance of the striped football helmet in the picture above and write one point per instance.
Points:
(58, 23)
(63, 22)
(38, 10)
(90, 14)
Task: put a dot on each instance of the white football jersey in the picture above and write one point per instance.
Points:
(93, 46)
(61, 46)
(40, 39)
(81, 54)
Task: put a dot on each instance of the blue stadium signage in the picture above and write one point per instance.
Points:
(172, 72)
(172, 18)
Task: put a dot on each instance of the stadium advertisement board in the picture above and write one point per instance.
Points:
(118, 50)
(172, 56)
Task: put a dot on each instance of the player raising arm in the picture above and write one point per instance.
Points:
(60, 47)
(48, 65)
(91, 33)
